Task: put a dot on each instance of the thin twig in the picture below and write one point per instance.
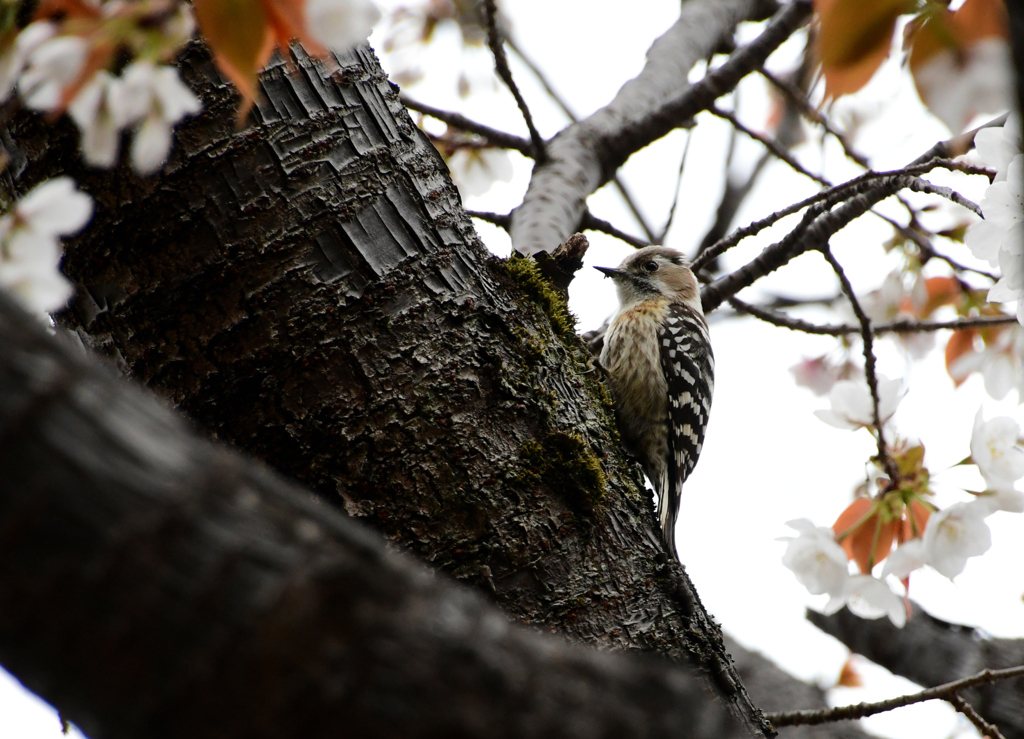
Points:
(795, 95)
(769, 143)
(868, 336)
(860, 710)
(906, 326)
(984, 727)
(461, 122)
(679, 186)
(502, 221)
(590, 222)
(495, 41)
(958, 145)
(830, 196)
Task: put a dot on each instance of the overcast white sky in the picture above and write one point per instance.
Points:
(767, 458)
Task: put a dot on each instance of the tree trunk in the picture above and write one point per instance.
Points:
(157, 585)
(309, 289)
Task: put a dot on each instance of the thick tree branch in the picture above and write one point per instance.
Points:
(586, 155)
(620, 185)
(158, 585)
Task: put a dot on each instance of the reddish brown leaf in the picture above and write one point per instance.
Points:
(854, 39)
(959, 344)
(238, 33)
(849, 677)
(915, 518)
(973, 21)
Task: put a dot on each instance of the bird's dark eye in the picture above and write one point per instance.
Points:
(650, 266)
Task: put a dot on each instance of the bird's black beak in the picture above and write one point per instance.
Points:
(609, 271)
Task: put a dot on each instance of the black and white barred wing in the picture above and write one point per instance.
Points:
(689, 368)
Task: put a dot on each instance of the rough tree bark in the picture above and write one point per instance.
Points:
(309, 289)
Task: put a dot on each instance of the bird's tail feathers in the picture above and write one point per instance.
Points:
(669, 491)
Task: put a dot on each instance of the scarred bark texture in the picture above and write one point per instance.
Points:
(308, 288)
(931, 652)
(155, 584)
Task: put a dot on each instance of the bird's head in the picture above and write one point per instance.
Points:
(654, 271)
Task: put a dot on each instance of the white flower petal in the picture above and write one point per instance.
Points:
(983, 239)
(868, 597)
(955, 534)
(56, 207)
(174, 97)
(50, 68)
(341, 24)
(151, 145)
(908, 556)
(818, 562)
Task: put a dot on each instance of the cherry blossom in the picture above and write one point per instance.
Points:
(907, 557)
(1001, 364)
(51, 67)
(852, 406)
(29, 249)
(997, 146)
(12, 62)
(999, 238)
(960, 84)
(893, 302)
(994, 449)
(818, 562)
(819, 375)
(341, 24)
(156, 98)
(955, 534)
(475, 170)
(95, 111)
(869, 597)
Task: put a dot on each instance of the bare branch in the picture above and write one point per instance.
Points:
(829, 196)
(869, 363)
(659, 99)
(593, 223)
(461, 122)
(984, 727)
(860, 710)
(590, 222)
(620, 185)
(769, 143)
(496, 43)
(958, 145)
(782, 320)
(675, 197)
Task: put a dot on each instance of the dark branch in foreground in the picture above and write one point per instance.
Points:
(860, 710)
(210, 598)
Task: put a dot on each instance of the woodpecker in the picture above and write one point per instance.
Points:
(657, 354)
